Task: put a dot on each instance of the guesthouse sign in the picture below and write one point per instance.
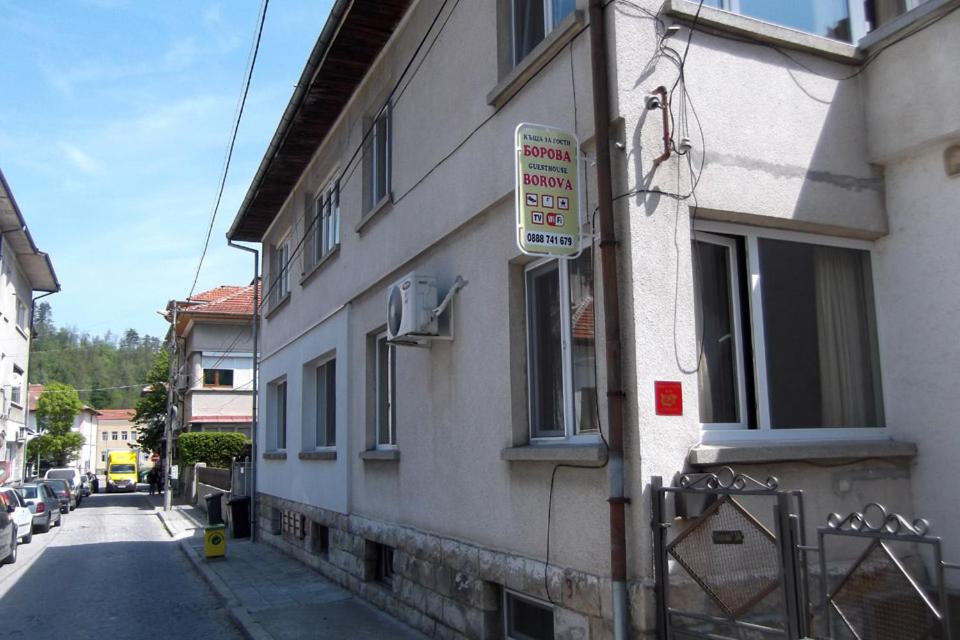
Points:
(548, 191)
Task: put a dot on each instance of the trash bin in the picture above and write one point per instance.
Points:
(215, 541)
(214, 510)
(240, 516)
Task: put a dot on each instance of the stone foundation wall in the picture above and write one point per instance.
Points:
(443, 587)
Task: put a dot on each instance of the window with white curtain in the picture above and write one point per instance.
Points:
(533, 20)
(786, 331)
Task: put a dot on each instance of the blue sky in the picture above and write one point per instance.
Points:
(115, 118)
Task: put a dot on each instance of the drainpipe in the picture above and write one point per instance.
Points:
(256, 389)
(171, 412)
(611, 321)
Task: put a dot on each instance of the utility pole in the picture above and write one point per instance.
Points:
(171, 413)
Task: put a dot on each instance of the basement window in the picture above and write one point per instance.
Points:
(526, 618)
(319, 539)
(383, 563)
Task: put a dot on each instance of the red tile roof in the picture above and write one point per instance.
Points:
(195, 419)
(223, 300)
(117, 414)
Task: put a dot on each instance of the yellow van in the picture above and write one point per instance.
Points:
(121, 471)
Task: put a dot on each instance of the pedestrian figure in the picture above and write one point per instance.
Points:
(94, 483)
(154, 479)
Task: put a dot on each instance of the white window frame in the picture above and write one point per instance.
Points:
(548, 26)
(374, 170)
(752, 236)
(21, 310)
(855, 10)
(391, 391)
(274, 423)
(280, 271)
(733, 255)
(16, 387)
(326, 220)
(570, 433)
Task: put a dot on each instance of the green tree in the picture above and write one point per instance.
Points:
(57, 408)
(151, 413)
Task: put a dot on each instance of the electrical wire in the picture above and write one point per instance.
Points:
(233, 140)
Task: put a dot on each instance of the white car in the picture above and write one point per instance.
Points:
(21, 514)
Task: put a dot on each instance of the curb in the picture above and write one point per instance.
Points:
(240, 616)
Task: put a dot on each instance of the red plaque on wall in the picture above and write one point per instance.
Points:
(669, 398)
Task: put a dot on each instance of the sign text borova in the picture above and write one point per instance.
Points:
(548, 191)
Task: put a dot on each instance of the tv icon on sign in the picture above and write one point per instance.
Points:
(536, 217)
(547, 201)
(532, 200)
(563, 203)
(555, 219)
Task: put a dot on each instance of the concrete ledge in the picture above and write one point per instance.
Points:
(380, 454)
(556, 453)
(765, 32)
(274, 455)
(317, 455)
(705, 455)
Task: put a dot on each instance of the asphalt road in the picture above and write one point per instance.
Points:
(110, 571)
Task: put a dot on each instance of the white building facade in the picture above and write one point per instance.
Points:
(775, 210)
(24, 269)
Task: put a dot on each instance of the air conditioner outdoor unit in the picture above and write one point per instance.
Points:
(411, 302)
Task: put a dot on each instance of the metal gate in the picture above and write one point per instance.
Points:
(732, 564)
(738, 553)
(893, 589)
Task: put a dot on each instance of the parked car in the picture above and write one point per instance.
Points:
(68, 501)
(73, 476)
(21, 514)
(85, 485)
(8, 531)
(43, 504)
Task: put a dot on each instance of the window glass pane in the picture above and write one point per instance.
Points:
(336, 213)
(528, 27)
(582, 326)
(318, 230)
(545, 352)
(386, 376)
(716, 376)
(828, 18)
(382, 159)
(321, 408)
(330, 401)
(561, 9)
(819, 324)
(282, 415)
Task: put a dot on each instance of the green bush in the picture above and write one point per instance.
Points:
(215, 449)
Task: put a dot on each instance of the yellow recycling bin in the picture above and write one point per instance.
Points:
(215, 541)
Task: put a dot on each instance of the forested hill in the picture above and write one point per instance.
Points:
(107, 370)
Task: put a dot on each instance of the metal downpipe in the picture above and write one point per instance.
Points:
(611, 321)
(256, 387)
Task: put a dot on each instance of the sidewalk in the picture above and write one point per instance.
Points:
(272, 596)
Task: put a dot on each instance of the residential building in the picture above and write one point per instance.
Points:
(85, 423)
(24, 269)
(117, 432)
(214, 357)
(784, 275)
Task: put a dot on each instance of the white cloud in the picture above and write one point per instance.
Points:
(81, 160)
